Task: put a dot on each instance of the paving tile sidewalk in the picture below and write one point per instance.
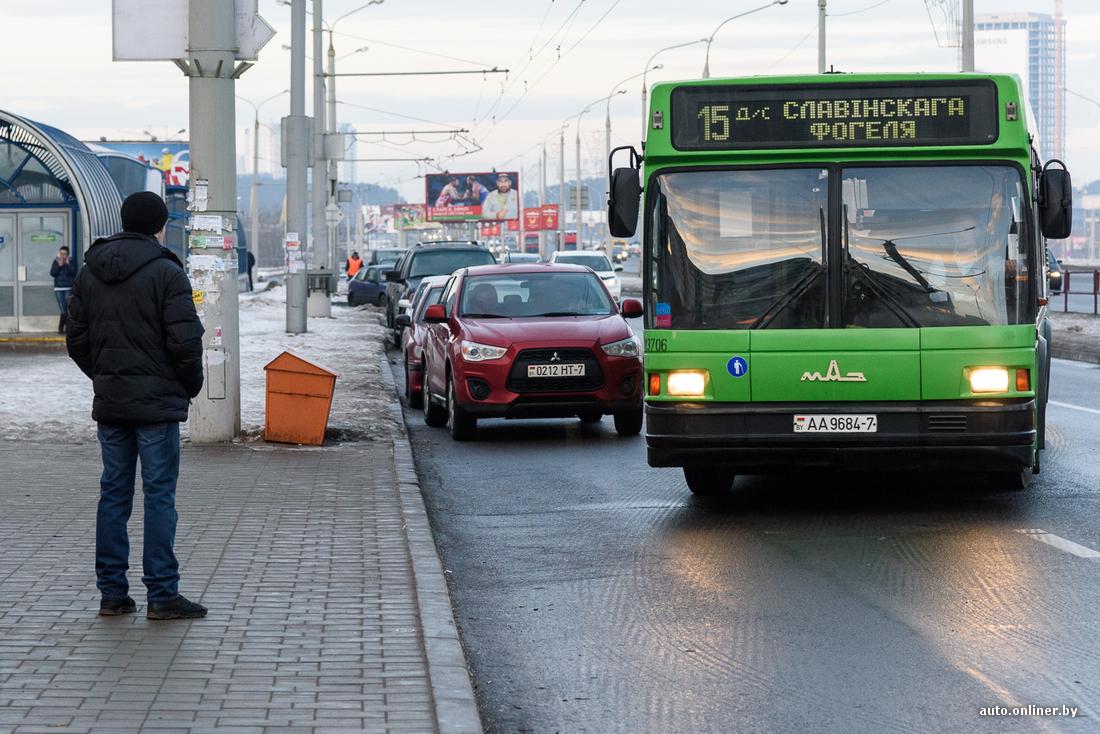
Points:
(328, 607)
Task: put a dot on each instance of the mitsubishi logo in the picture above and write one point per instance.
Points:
(833, 375)
(555, 358)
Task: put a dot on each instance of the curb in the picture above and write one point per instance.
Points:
(452, 690)
(1075, 353)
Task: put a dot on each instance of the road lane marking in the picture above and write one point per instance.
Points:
(1068, 546)
(1071, 406)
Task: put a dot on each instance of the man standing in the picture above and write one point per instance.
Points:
(63, 272)
(133, 329)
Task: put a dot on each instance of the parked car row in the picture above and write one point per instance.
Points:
(521, 341)
(516, 339)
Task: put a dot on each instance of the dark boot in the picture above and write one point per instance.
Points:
(178, 608)
(61, 324)
(115, 607)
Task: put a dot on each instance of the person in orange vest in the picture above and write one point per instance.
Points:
(353, 264)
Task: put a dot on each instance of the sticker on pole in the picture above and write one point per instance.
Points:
(737, 366)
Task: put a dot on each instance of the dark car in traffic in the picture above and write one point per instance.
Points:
(421, 261)
(1054, 274)
(384, 255)
(369, 285)
(530, 341)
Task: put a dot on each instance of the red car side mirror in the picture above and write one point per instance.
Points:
(631, 308)
(435, 314)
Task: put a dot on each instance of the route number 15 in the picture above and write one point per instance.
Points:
(716, 122)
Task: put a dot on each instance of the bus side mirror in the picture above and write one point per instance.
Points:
(624, 194)
(1055, 201)
(622, 206)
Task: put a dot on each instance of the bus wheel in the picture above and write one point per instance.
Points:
(708, 480)
(1011, 481)
(629, 423)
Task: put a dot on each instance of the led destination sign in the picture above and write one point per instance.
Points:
(734, 117)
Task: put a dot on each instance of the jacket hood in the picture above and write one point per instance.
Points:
(114, 259)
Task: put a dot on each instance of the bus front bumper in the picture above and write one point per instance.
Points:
(971, 435)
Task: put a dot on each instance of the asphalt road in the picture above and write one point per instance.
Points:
(595, 594)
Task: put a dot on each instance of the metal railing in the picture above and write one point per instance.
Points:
(1094, 289)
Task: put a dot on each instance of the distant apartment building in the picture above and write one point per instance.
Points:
(1031, 45)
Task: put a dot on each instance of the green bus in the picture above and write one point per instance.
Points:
(843, 271)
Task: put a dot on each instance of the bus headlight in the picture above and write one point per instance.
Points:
(988, 379)
(688, 384)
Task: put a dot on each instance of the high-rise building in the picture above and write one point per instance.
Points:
(1031, 45)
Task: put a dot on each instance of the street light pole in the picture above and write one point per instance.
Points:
(212, 265)
(820, 36)
(967, 40)
(318, 250)
(297, 161)
(648, 65)
(710, 38)
(333, 172)
(607, 140)
(253, 206)
(560, 244)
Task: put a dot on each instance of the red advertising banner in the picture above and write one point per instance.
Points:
(513, 226)
(532, 219)
(550, 216)
(490, 229)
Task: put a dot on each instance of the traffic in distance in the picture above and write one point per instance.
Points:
(812, 298)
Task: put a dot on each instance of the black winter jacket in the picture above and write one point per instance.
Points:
(133, 329)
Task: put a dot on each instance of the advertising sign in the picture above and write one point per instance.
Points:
(490, 229)
(532, 219)
(550, 216)
(465, 197)
(409, 216)
(171, 158)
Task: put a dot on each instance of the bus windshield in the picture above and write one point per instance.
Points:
(912, 246)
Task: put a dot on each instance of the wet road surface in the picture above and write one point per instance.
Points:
(595, 594)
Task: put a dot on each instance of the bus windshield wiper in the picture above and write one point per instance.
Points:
(798, 289)
(851, 264)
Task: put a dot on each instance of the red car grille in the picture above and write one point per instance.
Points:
(519, 382)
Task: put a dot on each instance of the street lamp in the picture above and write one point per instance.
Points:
(710, 38)
(649, 68)
(577, 189)
(253, 205)
(326, 200)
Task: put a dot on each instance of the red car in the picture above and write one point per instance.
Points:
(413, 329)
(530, 341)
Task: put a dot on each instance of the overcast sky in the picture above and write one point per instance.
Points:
(562, 56)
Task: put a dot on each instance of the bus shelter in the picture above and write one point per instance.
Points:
(54, 191)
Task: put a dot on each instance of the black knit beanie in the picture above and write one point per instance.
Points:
(144, 212)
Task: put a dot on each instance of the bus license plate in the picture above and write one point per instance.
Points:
(836, 424)
(555, 370)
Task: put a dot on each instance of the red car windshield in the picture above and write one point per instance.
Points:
(525, 295)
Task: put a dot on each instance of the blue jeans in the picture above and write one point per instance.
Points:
(62, 297)
(158, 446)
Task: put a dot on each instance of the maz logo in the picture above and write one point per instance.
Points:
(833, 375)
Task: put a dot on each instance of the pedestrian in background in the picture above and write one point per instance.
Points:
(251, 264)
(63, 272)
(353, 264)
(133, 329)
